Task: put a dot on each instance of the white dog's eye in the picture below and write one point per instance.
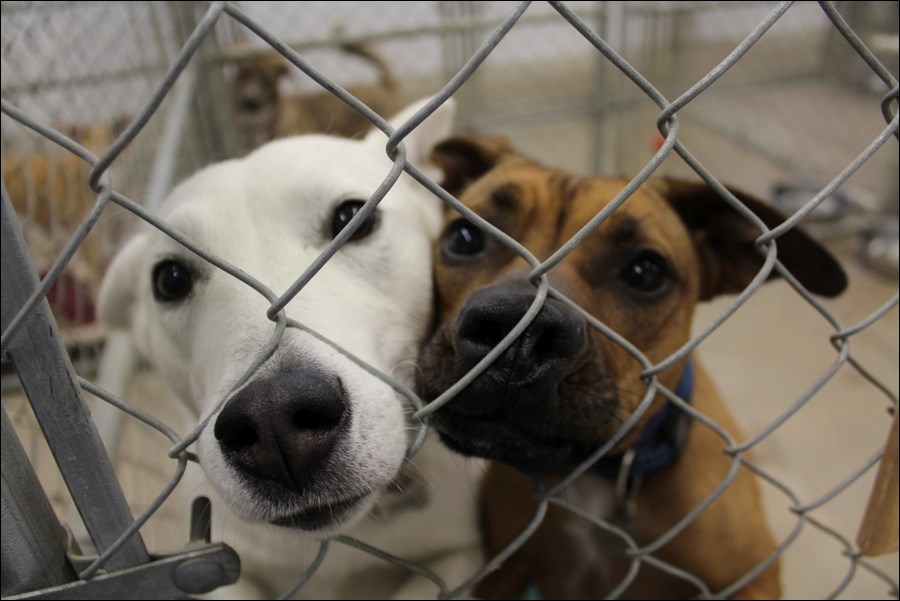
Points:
(172, 281)
(344, 213)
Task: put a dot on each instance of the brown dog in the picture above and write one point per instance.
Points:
(563, 389)
(50, 193)
(262, 113)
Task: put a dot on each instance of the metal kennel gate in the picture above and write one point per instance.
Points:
(39, 557)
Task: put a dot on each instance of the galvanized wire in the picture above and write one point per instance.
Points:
(668, 125)
(307, 573)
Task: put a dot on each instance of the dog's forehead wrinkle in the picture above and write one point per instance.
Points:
(626, 230)
(506, 196)
(562, 216)
(566, 186)
(623, 229)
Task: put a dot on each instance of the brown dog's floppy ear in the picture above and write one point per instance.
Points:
(725, 242)
(465, 158)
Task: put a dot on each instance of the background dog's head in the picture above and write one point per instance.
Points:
(257, 97)
(310, 438)
(564, 388)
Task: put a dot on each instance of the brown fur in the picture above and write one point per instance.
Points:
(263, 113)
(710, 250)
(51, 195)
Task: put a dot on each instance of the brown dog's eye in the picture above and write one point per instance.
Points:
(462, 239)
(172, 281)
(344, 213)
(648, 273)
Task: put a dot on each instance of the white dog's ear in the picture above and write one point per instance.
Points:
(422, 139)
(118, 293)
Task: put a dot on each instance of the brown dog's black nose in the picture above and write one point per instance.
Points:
(541, 354)
(284, 427)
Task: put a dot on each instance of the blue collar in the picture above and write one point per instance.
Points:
(663, 439)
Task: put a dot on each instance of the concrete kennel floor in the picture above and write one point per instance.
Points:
(763, 359)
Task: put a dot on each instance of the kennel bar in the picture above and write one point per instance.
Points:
(34, 542)
(194, 571)
(35, 551)
(36, 563)
(49, 381)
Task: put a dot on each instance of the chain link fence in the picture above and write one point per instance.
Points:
(636, 80)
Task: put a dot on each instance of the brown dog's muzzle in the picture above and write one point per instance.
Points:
(519, 409)
(541, 356)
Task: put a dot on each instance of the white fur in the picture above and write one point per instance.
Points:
(269, 214)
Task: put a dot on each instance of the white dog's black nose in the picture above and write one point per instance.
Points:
(283, 428)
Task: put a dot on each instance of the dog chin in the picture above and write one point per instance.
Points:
(327, 519)
(318, 511)
(321, 515)
(507, 444)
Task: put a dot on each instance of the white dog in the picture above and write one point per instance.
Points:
(311, 445)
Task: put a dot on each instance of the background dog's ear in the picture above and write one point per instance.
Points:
(465, 158)
(725, 242)
(118, 293)
(271, 67)
(280, 69)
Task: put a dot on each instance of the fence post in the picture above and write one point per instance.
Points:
(49, 381)
(34, 542)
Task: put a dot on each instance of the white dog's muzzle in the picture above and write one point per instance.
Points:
(279, 434)
(308, 442)
(312, 439)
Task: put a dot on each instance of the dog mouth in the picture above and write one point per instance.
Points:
(547, 425)
(322, 517)
(508, 443)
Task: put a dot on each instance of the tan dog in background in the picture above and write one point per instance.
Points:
(563, 389)
(263, 113)
(51, 195)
